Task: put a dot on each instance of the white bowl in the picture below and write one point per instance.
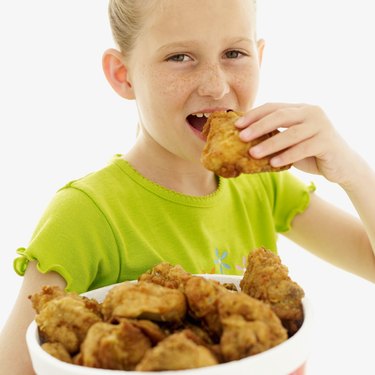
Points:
(287, 358)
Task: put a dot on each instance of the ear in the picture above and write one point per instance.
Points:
(116, 73)
(260, 46)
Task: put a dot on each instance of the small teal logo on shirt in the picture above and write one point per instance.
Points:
(219, 260)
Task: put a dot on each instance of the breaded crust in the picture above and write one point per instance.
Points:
(226, 154)
(144, 300)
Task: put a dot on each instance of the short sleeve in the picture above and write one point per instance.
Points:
(291, 196)
(74, 239)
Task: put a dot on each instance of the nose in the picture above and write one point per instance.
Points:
(213, 82)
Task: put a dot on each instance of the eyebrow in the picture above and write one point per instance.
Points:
(189, 43)
(184, 44)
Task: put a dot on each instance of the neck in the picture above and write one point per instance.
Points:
(168, 170)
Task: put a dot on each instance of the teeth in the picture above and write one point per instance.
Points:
(200, 115)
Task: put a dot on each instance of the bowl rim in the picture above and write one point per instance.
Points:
(299, 343)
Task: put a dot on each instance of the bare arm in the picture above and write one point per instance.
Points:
(311, 143)
(335, 236)
(14, 357)
(360, 189)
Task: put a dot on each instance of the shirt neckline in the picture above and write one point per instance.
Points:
(168, 194)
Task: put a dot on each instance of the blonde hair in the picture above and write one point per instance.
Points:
(127, 18)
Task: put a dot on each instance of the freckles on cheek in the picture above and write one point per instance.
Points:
(246, 87)
(171, 83)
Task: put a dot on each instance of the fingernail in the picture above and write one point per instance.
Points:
(256, 151)
(246, 134)
(240, 122)
(276, 161)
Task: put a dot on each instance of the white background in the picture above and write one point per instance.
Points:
(60, 119)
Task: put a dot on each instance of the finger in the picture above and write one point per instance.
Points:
(281, 118)
(302, 151)
(283, 140)
(257, 113)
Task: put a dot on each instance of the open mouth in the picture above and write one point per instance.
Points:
(198, 120)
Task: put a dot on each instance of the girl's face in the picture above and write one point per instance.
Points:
(193, 57)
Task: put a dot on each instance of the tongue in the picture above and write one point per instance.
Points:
(197, 122)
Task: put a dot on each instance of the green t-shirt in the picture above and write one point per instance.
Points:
(114, 224)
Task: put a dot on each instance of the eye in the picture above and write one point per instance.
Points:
(181, 57)
(234, 54)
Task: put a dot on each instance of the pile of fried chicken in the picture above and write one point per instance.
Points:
(172, 320)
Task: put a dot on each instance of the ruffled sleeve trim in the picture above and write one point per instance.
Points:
(305, 201)
(21, 263)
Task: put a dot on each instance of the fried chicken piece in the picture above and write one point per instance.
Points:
(267, 279)
(115, 347)
(249, 326)
(202, 296)
(226, 154)
(64, 317)
(151, 330)
(168, 275)
(144, 300)
(47, 293)
(201, 336)
(58, 351)
(176, 352)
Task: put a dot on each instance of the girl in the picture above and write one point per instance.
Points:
(181, 60)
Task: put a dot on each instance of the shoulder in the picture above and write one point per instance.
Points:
(95, 187)
(267, 182)
(282, 182)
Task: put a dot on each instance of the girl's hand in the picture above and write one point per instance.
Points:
(307, 139)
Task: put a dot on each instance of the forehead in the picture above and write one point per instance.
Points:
(175, 20)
